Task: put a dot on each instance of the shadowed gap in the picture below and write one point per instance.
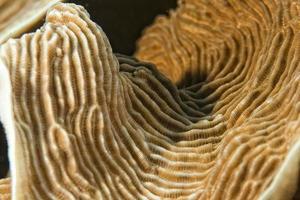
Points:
(4, 163)
(124, 20)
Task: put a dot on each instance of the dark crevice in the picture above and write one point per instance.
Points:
(124, 21)
(4, 163)
(190, 79)
(194, 91)
(296, 196)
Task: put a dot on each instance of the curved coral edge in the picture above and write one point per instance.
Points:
(285, 182)
(28, 22)
(6, 117)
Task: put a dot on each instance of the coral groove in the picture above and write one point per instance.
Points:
(87, 124)
(19, 16)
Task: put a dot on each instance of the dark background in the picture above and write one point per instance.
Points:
(124, 20)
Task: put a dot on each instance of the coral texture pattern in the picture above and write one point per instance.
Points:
(239, 60)
(5, 192)
(18, 16)
(83, 123)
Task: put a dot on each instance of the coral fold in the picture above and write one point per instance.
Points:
(85, 123)
(19, 16)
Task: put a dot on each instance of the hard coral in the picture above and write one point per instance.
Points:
(83, 123)
(240, 59)
(19, 16)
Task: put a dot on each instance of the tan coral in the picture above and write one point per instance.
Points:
(19, 16)
(83, 123)
(5, 189)
(241, 58)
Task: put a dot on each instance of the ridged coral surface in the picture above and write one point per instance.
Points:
(5, 191)
(240, 59)
(18, 16)
(88, 124)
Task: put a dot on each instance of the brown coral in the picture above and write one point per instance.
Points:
(18, 16)
(5, 192)
(83, 123)
(241, 60)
